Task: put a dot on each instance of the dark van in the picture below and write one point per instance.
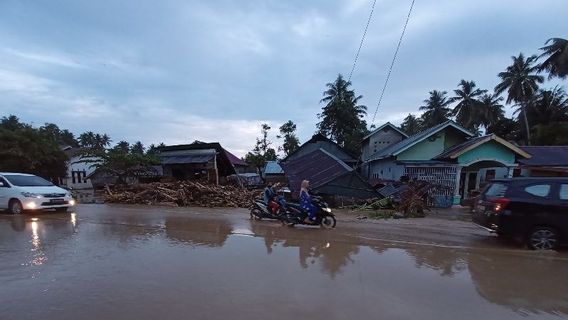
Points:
(532, 209)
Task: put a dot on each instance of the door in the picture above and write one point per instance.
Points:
(4, 190)
(561, 210)
(532, 205)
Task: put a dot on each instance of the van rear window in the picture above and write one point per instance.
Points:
(496, 190)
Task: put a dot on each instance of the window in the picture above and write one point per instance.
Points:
(539, 190)
(564, 192)
(496, 190)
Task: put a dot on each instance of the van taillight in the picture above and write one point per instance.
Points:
(500, 203)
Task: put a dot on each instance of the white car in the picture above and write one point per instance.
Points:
(20, 192)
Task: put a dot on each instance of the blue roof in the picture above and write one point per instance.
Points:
(272, 167)
(397, 148)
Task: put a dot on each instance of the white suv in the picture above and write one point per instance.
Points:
(20, 192)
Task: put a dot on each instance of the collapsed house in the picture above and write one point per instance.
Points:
(197, 161)
(328, 175)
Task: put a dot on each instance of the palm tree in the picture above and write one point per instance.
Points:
(521, 82)
(548, 106)
(490, 110)
(342, 115)
(435, 109)
(411, 125)
(466, 111)
(556, 62)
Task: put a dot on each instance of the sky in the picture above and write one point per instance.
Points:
(175, 71)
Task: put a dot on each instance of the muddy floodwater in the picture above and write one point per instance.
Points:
(117, 262)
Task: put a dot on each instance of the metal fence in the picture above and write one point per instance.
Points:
(443, 177)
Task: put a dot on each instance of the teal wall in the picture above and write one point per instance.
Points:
(426, 150)
(488, 151)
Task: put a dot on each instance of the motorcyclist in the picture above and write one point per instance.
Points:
(306, 202)
(270, 198)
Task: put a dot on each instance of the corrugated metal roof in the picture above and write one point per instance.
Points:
(272, 167)
(546, 156)
(397, 148)
(234, 159)
(187, 159)
(318, 167)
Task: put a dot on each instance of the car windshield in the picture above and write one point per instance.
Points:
(27, 181)
(496, 190)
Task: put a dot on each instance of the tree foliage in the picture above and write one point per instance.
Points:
(30, 150)
(436, 109)
(262, 151)
(520, 80)
(94, 141)
(121, 161)
(342, 116)
(468, 109)
(556, 54)
(288, 133)
(411, 125)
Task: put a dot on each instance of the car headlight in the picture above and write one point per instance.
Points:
(31, 195)
(328, 210)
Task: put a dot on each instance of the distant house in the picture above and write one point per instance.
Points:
(381, 138)
(197, 161)
(447, 155)
(79, 169)
(241, 166)
(273, 172)
(319, 141)
(328, 175)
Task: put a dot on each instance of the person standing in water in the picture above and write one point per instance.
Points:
(306, 202)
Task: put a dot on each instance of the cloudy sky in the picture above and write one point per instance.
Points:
(179, 70)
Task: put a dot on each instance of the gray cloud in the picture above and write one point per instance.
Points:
(176, 71)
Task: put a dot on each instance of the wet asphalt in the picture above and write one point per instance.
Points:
(135, 262)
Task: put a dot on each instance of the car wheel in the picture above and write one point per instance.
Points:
(15, 207)
(543, 238)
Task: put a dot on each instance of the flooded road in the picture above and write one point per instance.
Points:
(116, 262)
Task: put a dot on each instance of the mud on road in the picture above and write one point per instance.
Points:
(135, 262)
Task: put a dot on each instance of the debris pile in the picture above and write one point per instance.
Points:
(182, 193)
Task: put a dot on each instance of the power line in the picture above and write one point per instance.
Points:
(393, 60)
(362, 40)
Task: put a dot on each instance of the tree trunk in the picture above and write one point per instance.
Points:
(526, 120)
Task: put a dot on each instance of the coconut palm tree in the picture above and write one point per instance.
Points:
(411, 125)
(548, 106)
(490, 110)
(467, 110)
(342, 115)
(556, 54)
(520, 80)
(435, 109)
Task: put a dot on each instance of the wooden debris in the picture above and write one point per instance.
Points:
(182, 193)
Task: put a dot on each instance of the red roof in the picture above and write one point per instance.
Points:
(234, 159)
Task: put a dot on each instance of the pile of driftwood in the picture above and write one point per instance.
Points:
(182, 193)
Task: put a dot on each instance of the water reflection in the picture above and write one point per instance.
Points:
(38, 256)
(525, 284)
(447, 262)
(41, 231)
(198, 232)
(330, 250)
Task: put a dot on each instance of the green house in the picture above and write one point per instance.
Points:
(447, 155)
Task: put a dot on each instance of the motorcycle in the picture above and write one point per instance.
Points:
(296, 215)
(260, 210)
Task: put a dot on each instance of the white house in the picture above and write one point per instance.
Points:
(77, 169)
